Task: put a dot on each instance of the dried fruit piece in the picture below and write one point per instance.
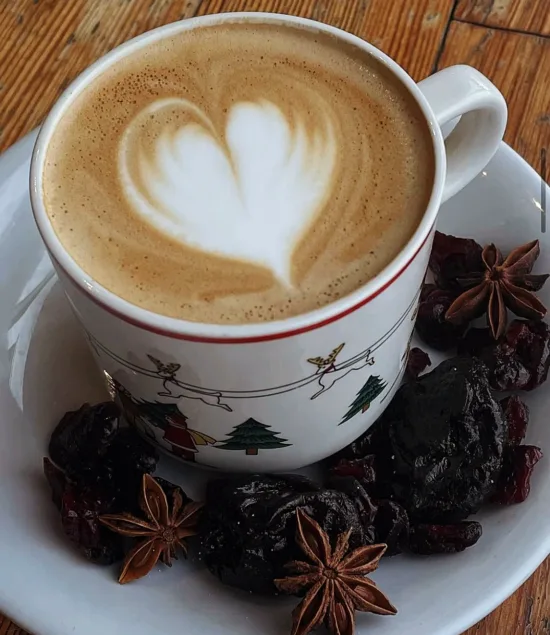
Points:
(444, 442)
(80, 511)
(431, 325)
(391, 526)
(93, 451)
(417, 362)
(514, 484)
(361, 469)
(519, 361)
(249, 524)
(99, 468)
(454, 259)
(430, 539)
(127, 458)
(82, 436)
(363, 503)
(516, 414)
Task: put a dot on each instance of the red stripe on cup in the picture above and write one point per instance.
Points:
(247, 340)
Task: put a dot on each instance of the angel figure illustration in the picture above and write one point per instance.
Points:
(329, 371)
(167, 372)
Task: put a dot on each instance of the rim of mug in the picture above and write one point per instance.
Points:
(230, 333)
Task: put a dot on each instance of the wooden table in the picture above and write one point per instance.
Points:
(45, 43)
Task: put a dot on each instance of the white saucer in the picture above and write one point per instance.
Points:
(45, 369)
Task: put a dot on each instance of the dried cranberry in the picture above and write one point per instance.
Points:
(531, 341)
(516, 414)
(454, 259)
(446, 436)
(391, 526)
(430, 539)
(519, 360)
(514, 484)
(417, 362)
(80, 511)
(431, 325)
(362, 469)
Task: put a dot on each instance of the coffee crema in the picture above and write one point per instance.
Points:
(239, 173)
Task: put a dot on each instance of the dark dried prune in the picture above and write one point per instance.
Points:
(516, 414)
(506, 372)
(126, 459)
(391, 526)
(514, 484)
(431, 325)
(374, 442)
(417, 362)
(519, 360)
(354, 489)
(82, 436)
(80, 511)
(430, 539)
(454, 259)
(446, 435)
(248, 525)
(129, 452)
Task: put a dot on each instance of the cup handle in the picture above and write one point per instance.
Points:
(462, 91)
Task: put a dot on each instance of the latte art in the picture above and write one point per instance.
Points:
(260, 182)
(238, 173)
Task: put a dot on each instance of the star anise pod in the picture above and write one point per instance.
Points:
(504, 283)
(163, 532)
(334, 580)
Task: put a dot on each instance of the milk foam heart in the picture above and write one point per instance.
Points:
(249, 192)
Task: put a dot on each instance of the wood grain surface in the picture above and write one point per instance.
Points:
(410, 32)
(530, 16)
(44, 44)
(519, 65)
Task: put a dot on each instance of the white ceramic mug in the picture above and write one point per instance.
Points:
(284, 394)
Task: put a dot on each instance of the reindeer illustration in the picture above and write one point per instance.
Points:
(330, 372)
(167, 372)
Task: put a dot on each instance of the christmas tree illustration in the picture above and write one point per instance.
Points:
(372, 388)
(253, 436)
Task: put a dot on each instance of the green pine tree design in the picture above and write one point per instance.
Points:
(372, 388)
(253, 436)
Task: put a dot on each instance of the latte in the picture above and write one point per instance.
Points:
(239, 173)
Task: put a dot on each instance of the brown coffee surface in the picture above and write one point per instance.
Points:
(366, 154)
